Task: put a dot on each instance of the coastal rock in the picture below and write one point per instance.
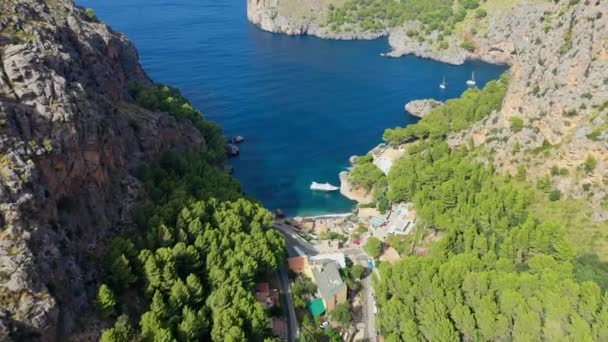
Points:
(401, 45)
(300, 17)
(70, 140)
(420, 108)
(359, 195)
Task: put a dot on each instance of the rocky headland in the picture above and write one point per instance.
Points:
(420, 108)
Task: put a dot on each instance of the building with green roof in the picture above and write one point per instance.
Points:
(316, 307)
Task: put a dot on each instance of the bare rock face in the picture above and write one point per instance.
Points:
(70, 137)
(420, 108)
(297, 17)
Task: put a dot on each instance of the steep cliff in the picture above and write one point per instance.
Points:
(558, 53)
(70, 138)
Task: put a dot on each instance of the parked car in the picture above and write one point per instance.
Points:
(357, 242)
(324, 325)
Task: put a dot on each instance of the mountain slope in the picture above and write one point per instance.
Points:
(70, 137)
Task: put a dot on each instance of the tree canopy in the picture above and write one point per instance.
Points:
(497, 271)
(199, 247)
(373, 247)
(455, 115)
(377, 15)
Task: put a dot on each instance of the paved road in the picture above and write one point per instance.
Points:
(292, 322)
(296, 246)
(369, 316)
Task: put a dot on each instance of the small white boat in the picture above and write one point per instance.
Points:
(442, 85)
(323, 187)
(472, 82)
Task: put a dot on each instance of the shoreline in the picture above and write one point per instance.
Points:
(266, 15)
(325, 216)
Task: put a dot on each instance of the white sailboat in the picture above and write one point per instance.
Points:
(442, 85)
(323, 187)
(472, 82)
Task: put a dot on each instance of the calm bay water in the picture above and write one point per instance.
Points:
(305, 105)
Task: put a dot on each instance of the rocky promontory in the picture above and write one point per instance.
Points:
(420, 108)
(358, 195)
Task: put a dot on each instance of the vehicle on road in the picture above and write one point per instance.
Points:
(371, 263)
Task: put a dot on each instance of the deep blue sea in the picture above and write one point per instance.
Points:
(305, 105)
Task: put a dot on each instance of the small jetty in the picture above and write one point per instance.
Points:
(232, 150)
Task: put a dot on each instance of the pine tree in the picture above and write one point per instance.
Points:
(159, 306)
(120, 332)
(106, 303)
(192, 326)
(121, 274)
(195, 289)
(179, 295)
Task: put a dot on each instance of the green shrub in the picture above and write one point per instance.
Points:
(517, 123)
(590, 164)
(555, 195)
(91, 14)
(468, 45)
(480, 13)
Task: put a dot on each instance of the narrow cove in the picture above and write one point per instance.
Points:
(304, 104)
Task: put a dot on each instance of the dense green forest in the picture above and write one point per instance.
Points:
(496, 272)
(377, 15)
(188, 271)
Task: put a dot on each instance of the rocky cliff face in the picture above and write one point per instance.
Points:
(558, 53)
(297, 17)
(70, 138)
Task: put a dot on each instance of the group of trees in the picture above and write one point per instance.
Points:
(497, 272)
(168, 99)
(455, 115)
(377, 15)
(188, 272)
(367, 176)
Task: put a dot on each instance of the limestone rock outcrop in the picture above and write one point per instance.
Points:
(420, 108)
(70, 140)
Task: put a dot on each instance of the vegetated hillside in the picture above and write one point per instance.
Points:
(86, 142)
(509, 182)
(552, 120)
(498, 269)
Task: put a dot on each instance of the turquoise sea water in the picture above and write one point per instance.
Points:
(305, 105)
